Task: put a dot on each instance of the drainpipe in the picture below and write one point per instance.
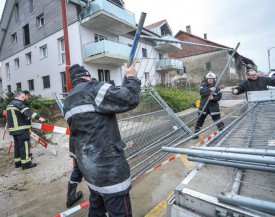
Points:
(66, 44)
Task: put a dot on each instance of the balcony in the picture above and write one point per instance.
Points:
(103, 14)
(167, 46)
(106, 52)
(166, 65)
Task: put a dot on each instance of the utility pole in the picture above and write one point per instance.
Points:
(268, 55)
(66, 45)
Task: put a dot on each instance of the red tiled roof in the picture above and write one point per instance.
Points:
(155, 24)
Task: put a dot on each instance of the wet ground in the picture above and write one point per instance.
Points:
(41, 191)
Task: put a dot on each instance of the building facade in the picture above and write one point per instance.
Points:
(32, 51)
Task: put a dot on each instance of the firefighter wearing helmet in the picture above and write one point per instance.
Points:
(210, 95)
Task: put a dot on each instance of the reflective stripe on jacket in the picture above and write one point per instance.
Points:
(19, 117)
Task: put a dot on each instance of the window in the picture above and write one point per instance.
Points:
(208, 66)
(46, 81)
(31, 2)
(146, 75)
(31, 84)
(104, 75)
(40, 21)
(61, 51)
(63, 80)
(29, 58)
(232, 64)
(8, 73)
(16, 63)
(16, 14)
(160, 56)
(14, 38)
(9, 88)
(99, 37)
(144, 52)
(18, 86)
(26, 35)
(43, 52)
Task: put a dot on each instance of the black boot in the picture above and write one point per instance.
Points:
(17, 164)
(72, 195)
(28, 166)
(197, 129)
(220, 126)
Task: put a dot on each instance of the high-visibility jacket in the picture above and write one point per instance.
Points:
(19, 117)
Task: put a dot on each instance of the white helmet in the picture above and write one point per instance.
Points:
(210, 75)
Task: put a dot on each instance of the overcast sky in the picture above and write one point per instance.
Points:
(227, 22)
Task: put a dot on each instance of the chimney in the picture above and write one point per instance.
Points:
(205, 36)
(188, 29)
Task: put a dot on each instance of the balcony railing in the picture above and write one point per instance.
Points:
(104, 5)
(106, 52)
(168, 64)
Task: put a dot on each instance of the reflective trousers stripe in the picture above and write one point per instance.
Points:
(112, 188)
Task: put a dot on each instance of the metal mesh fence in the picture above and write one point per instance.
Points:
(148, 127)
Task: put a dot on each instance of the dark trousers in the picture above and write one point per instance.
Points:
(76, 175)
(215, 118)
(116, 206)
(22, 148)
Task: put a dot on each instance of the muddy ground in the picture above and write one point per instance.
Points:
(41, 191)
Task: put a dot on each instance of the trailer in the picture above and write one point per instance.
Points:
(235, 172)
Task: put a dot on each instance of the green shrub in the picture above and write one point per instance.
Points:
(177, 99)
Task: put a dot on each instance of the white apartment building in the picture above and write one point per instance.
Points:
(32, 52)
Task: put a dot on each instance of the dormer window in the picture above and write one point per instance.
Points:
(40, 21)
(14, 38)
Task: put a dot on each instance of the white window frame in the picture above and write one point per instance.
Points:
(8, 71)
(98, 37)
(14, 38)
(18, 86)
(40, 21)
(16, 63)
(29, 58)
(144, 53)
(31, 84)
(44, 81)
(43, 52)
(61, 46)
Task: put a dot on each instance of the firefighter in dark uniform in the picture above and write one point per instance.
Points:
(209, 91)
(19, 124)
(90, 110)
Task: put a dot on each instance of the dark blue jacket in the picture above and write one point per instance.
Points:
(212, 105)
(19, 117)
(90, 110)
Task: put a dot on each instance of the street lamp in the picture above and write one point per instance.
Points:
(268, 53)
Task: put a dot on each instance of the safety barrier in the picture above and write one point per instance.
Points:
(51, 128)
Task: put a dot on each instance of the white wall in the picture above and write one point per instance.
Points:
(42, 67)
